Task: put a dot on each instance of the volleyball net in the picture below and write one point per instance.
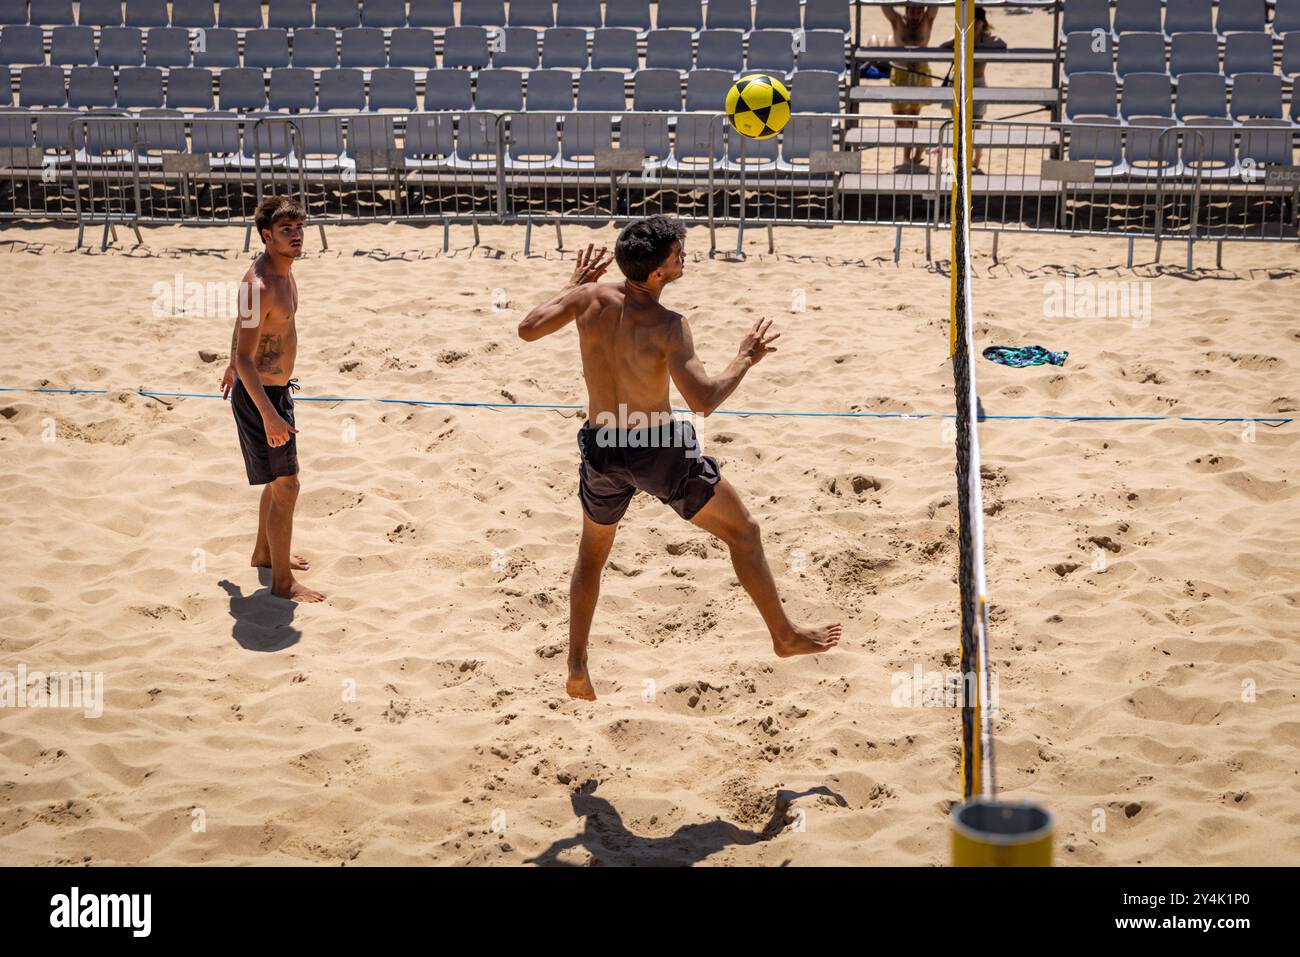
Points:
(976, 721)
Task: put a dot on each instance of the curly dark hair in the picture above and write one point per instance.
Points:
(272, 209)
(643, 245)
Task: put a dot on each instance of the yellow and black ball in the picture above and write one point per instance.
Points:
(758, 106)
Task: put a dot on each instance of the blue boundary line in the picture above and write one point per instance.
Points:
(1267, 420)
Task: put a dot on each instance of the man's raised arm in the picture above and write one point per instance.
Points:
(558, 311)
(704, 393)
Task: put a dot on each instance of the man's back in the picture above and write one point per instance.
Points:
(623, 336)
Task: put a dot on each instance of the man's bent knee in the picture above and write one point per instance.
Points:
(284, 489)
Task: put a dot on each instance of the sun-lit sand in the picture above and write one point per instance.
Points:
(1143, 575)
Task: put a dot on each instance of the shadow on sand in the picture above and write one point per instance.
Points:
(262, 621)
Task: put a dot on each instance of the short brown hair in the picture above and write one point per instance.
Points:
(273, 209)
(644, 244)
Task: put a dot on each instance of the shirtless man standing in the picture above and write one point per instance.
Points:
(631, 346)
(259, 382)
(911, 28)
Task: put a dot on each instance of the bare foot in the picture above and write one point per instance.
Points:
(806, 641)
(296, 562)
(579, 683)
(297, 591)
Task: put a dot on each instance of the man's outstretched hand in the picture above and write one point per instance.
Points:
(591, 265)
(758, 343)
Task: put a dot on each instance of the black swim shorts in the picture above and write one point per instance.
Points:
(664, 461)
(262, 462)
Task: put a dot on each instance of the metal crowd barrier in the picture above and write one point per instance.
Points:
(1202, 181)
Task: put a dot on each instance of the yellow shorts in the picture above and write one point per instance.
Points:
(909, 74)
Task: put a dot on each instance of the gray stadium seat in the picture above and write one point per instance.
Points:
(1201, 94)
(431, 13)
(1286, 17)
(146, 13)
(314, 48)
(319, 144)
(581, 136)
(90, 86)
(240, 14)
(42, 86)
(447, 90)
(815, 91)
(265, 143)
(1243, 15)
(72, 46)
(413, 49)
(342, 89)
(239, 88)
(383, 13)
(578, 13)
(363, 47)
(627, 13)
(214, 134)
(565, 47)
(189, 88)
(100, 13)
(1188, 16)
(1140, 53)
(777, 15)
(669, 49)
(167, 47)
(266, 48)
(707, 89)
(520, 48)
(770, 52)
(657, 90)
(25, 46)
(550, 90)
(1091, 94)
(803, 136)
(1291, 58)
(730, 15)
(392, 89)
(293, 14)
(1147, 95)
(648, 134)
(601, 90)
(482, 13)
(1257, 95)
(1194, 53)
(499, 90)
(140, 88)
(370, 133)
(465, 47)
(193, 13)
(54, 130)
(220, 49)
(121, 46)
(1212, 152)
(476, 142)
(1098, 142)
(698, 144)
(1082, 57)
(746, 153)
(1138, 16)
(291, 89)
(530, 13)
(1085, 15)
(532, 141)
(681, 13)
(1267, 142)
(13, 12)
(722, 50)
(1149, 151)
(429, 141)
(824, 50)
(1247, 53)
(339, 14)
(51, 13)
(826, 15)
(614, 48)
(160, 133)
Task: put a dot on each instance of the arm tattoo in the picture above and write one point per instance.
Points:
(269, 352)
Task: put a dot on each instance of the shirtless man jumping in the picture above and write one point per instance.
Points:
(911, 28)
(259, 382)
(631, 346)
